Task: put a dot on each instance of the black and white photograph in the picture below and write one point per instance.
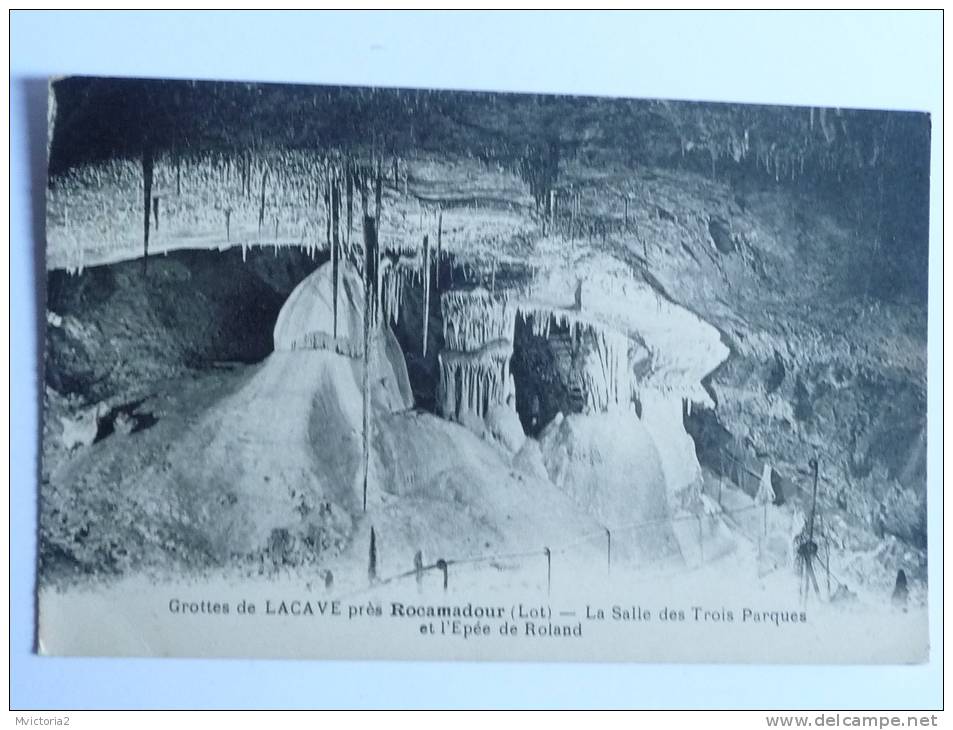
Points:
(394, 373)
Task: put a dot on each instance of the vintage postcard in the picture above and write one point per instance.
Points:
(344, 372)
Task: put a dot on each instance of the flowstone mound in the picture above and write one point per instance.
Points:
(307, 322)
(609, 465)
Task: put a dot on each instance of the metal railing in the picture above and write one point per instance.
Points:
(607, 534)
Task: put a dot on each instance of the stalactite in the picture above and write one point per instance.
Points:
(394, 278)
(327, 205)
(349, 174)
(474, 318)
(362, 186)
(147, 172)
(261, 208)
(439, 245)
(335, 247)
(425, 274)
(371, 306)
(474, 381)
(377, 197)
(606, 372)
(608, 376)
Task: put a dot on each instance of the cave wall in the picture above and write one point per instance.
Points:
(866, 428)
(111, 327)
